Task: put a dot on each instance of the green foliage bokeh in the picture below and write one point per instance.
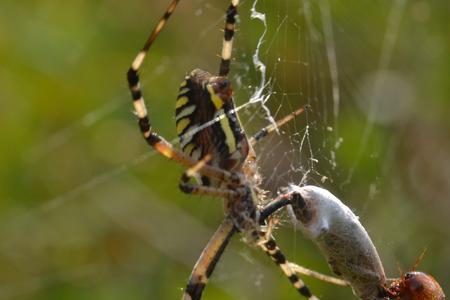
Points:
(87, 212)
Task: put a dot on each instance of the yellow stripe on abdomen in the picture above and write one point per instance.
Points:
(185, 112)
(181, 102)
(216, 100)
(229, 136)
(182, 124)
(224, 122)
(189, 148)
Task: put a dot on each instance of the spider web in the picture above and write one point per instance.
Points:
(293, 73)
(92, 218)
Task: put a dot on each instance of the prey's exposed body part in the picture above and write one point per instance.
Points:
(344, 242)
(416, 286)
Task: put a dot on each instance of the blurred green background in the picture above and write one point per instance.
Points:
(88, 212)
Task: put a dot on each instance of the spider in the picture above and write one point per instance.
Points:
(217, 152)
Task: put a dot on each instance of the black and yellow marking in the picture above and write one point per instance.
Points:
(207, 122)
(271, 249)
(184, 110)
(181, 102)
(183, 125)
(133, 80)
(228, 39)
(262, 133)
(160, 25)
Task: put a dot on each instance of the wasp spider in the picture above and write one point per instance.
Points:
(217, 152)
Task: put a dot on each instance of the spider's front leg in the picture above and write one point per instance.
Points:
(152, 138)
(227, 46)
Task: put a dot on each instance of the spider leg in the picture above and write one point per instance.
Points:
(198, 189)
(274, 205)
(270, 247)
(271, 208)
(156, 30)
(262, 133)
(133, 78)
(212, 252)
(157, 142)
(207, 261)
(322, 277)
(227, 45)
(152, 138)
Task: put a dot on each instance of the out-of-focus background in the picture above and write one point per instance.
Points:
(87, 211)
